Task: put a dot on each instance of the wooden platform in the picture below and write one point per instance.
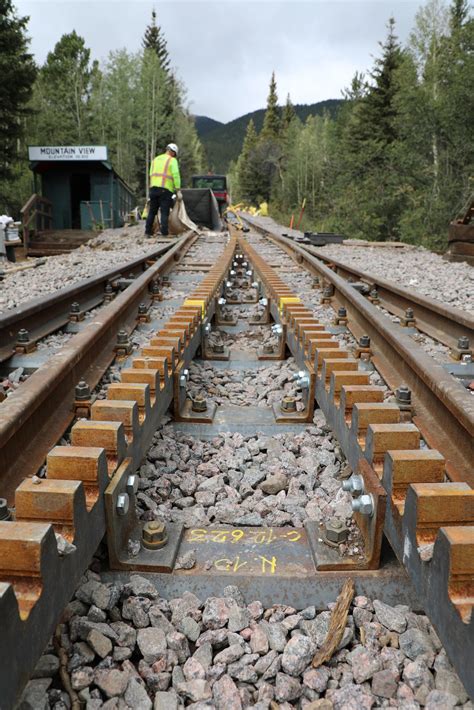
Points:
(461, 242)
(58, 241)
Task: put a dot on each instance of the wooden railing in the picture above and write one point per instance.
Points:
(36, 215)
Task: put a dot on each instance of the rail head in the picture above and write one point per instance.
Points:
(443, 403)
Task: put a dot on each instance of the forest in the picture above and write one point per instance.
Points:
(222, 142)
(133, 102)
(397, 163)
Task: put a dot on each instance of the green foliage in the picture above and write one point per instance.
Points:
(132, 102)
(17, 72)
(115, 119)
(61, 98)
(272, 121)
(288, 115)
(397, 160)
(223, 141)
(246, 185)
(154, 39)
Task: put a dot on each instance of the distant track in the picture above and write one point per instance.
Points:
(47, 314)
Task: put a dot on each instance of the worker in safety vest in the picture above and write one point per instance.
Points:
(164, 181)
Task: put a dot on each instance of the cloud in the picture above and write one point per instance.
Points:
(225, 51)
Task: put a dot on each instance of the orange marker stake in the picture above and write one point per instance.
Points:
(303, 205)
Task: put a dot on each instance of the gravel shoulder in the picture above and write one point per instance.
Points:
(112, 247)
(415, 268)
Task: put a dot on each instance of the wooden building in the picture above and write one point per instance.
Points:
(76, 193)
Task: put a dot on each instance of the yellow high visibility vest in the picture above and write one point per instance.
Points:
(164, 172)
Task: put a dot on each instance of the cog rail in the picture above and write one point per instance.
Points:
(444, 409)
(411, 501)
(91, 487)
(92, 478)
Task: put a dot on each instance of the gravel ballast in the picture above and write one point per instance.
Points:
(414, 268)
(112, 247)
(301, 280)
(127, 647)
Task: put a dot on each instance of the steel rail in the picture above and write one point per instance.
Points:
(40, 586)
(443, 323)
(44, 315)
(410, 499)
(36, 415)
(444, 410)
(79, 495)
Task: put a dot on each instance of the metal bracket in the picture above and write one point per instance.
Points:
(124, 530)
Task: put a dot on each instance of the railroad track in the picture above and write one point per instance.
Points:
(443, 323)
(445, 411)
(92, 487)
(35, 417)
(44, 315)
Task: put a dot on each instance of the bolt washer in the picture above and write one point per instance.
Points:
(335, 532)
(199, 404)
(288, 404)
(154, 535)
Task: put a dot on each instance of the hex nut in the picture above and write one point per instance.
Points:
(288, 404)
(132, 484)
(336, 531)
(154, 535)
(82, 391)
(364, 504)
(199, 404)
(303, 382)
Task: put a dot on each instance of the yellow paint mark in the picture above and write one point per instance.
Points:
(293, 536)
(239, 564)
(287, 299)
(263, 537)
(197, 535)
(237, 535)
(196, 302)
(272, 564)
(223, 565)
(219, 535)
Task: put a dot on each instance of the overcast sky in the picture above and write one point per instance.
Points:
(225, 51)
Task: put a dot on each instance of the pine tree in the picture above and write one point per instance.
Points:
(271, 121)
(459, 13)
(17, 71)
(247, 168)
(380, 106)
(368, 172)
(457, 106)
(154, 39)
(289, 114)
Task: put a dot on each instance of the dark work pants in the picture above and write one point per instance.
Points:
(160, 199)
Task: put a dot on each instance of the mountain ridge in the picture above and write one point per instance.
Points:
(223, 141)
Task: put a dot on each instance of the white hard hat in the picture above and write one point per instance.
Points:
(173, 147)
